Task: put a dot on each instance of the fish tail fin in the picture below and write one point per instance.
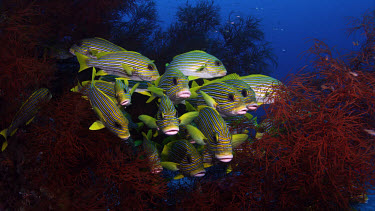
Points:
(82, 59)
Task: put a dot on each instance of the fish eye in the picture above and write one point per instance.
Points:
(231, 97)
(244, 92)
(117, 125)
(217, 63)
(214, 139)
(150, 67)
(174, 80)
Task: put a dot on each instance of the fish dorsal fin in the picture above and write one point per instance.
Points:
(238, 139)
(191, 78)
(149, 121)
(196, 134)
(97, 125)
(194, 51)
(188, 117)
(209, 100)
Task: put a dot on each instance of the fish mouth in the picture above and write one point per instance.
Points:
(157, 170)
(225, 158)
(125, 102)
(184, 94)
(252, 107)
(171, 132)
(242, 111)
(124, 138)
(222, 73)
(200, 174)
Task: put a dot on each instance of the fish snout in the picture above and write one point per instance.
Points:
(252, 107)
(184, 94)
(242, 111)
(200, 174)
(157, 170)
(172, 131)
(125, 102)
(224, 158)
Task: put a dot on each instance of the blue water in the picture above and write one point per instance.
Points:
(290, 25)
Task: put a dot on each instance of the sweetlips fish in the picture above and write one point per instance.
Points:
(127, 64)
(212, 131)
(110, 116)
(262, 86)
(166, 118)
(172, 83)
(183, 156)
(118, 91)
(27, 112)
(246, 91)
(91, 47)
(152, 153)
(198, 64)
(221, 96)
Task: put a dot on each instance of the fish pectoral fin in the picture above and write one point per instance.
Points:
(145, 93)
(188, 117)
(238, 139)
(196, 134)
(94, 52)
(156, 82)
(201, 68)
(158, 91)
(209, 100)
(192, 78)
(178, 176)
(4, 146)
(127, 69)
(170, 165)
(97, 125)
(194, 84)
(4, 133)
(30, 120)
(100, 114)
(133, 88)
(101, 73)
(149, 121)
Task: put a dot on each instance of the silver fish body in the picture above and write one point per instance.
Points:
(198, 63)
(262, 86)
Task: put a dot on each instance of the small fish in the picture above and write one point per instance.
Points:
(216, 134)
(199, 64)
(223, 97)
(166, 118)
(262, 86)
(174, 84)
(108, 112)
(122, 92)
(26, 113)
(371, 132)
(128, 64)
(92, 46)
(355, 43)
(152, 153)
(182, 155)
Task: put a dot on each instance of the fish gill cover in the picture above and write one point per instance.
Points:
(316, 152)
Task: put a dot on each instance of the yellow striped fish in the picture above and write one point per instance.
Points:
(262, 86)
(217, 138)
(174, 84)
(91, 47)
(26, 113)
(109, 114)
(199, 64)
(181, 155)
(128, 64)
(152, 153)
(166, 118)
(223, 97)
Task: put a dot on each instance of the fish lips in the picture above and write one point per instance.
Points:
(242, 111)
(171, 131)
(125, 103)
(184, 94)
(252, 107)
(200, 174)
(224, 158)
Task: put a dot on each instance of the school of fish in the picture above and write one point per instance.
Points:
(206, 139)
